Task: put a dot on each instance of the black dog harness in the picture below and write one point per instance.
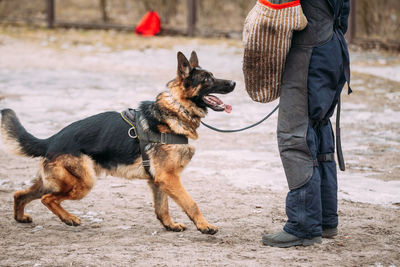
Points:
(147, 136)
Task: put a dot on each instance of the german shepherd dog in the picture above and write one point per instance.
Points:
(73, 158)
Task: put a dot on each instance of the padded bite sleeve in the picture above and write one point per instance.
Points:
(267, 35)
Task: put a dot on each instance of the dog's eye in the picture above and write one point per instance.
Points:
(208, 79)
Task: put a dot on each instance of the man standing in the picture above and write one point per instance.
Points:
(317, 67)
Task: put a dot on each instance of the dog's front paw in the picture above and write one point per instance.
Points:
(176, 227)
(72, 220)
(208, 229)
(24, 219)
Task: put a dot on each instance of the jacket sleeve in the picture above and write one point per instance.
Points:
(344, 15)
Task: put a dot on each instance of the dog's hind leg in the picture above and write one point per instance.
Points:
(161, 209)
(23, 197)
(53, 203)
(74, 177)
(171, 184)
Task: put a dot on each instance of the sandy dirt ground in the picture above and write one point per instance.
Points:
(52, 78)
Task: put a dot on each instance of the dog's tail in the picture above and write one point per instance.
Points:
(17, 140)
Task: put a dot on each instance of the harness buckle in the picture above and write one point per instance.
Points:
(146, 163)
(163, 138)
(134, 130)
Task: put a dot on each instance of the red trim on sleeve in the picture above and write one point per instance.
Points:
(280, 6)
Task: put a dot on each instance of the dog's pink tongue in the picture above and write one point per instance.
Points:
(228, 108)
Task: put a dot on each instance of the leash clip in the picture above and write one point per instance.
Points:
(130, 134)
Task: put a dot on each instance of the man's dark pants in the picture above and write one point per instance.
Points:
(313, 206)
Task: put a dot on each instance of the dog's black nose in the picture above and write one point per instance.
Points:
(232, 83)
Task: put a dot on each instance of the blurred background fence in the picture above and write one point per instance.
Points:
(374, 22)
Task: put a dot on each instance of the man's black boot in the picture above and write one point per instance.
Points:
(285, 240)
(329, 233)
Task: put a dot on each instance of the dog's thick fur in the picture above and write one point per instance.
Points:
(75, 156)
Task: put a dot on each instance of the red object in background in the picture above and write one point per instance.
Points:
(149, 25)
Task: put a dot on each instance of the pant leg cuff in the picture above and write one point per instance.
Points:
(329, 226)
(300, 234)
(289, 230)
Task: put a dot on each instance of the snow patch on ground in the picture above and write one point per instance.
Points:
(387, 72)
(356, 187)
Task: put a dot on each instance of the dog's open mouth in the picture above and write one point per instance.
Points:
(216, 104)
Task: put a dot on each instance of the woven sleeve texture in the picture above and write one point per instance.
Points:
(267, 35)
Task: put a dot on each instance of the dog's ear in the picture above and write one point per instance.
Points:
(194, 61)
(184, 67)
